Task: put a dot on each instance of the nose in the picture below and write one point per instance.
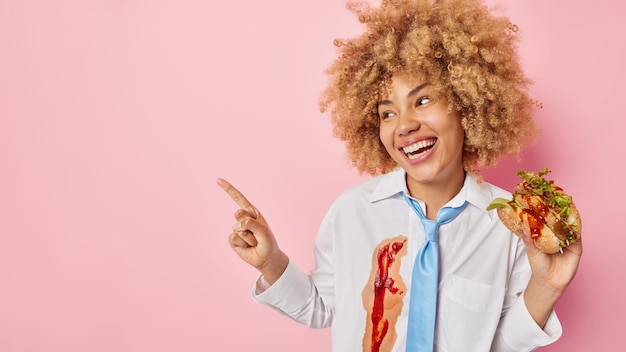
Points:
(407, 123)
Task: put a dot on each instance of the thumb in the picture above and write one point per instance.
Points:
(259, 228)
(529, 243)
(242, 214)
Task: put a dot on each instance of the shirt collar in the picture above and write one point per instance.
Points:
(390, 184)
(394, 182)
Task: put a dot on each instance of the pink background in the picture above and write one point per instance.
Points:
(116, 117)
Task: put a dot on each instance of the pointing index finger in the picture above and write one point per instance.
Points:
(237, 196)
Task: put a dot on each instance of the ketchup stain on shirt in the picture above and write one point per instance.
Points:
(383, 283)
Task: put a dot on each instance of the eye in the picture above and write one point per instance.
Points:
(386, 114)
(423, 101)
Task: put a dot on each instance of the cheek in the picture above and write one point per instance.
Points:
(386, 136)
(454, 128)
(460, 137)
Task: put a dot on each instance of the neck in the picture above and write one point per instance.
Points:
(436, 193)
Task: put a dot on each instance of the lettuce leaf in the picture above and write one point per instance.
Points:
(499, 203)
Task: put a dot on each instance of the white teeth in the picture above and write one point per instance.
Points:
(417, 146)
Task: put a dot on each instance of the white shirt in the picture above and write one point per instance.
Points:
(483, 272)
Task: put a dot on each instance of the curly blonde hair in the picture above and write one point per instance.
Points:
(459, 47)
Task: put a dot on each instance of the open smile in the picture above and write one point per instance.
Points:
(415, 150)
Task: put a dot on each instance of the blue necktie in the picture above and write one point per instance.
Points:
(425, 280)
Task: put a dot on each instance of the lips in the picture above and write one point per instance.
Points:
(417, 149)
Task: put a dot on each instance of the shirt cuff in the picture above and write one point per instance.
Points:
(521, 331)
(294, 281)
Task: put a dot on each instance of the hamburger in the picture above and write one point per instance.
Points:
(541, 210)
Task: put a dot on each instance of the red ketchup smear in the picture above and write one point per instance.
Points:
(536, 218)
(382, 284)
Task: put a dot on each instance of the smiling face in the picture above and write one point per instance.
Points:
(421, 135)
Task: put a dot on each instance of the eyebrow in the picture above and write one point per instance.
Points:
(411, 93)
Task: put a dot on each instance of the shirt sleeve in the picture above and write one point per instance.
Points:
(519, 332)
(295, 296)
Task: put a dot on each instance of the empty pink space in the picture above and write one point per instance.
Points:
(117, 117)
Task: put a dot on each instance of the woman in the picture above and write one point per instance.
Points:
(431, 92)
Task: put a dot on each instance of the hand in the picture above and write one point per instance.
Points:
(252, 239)
(554, 271)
